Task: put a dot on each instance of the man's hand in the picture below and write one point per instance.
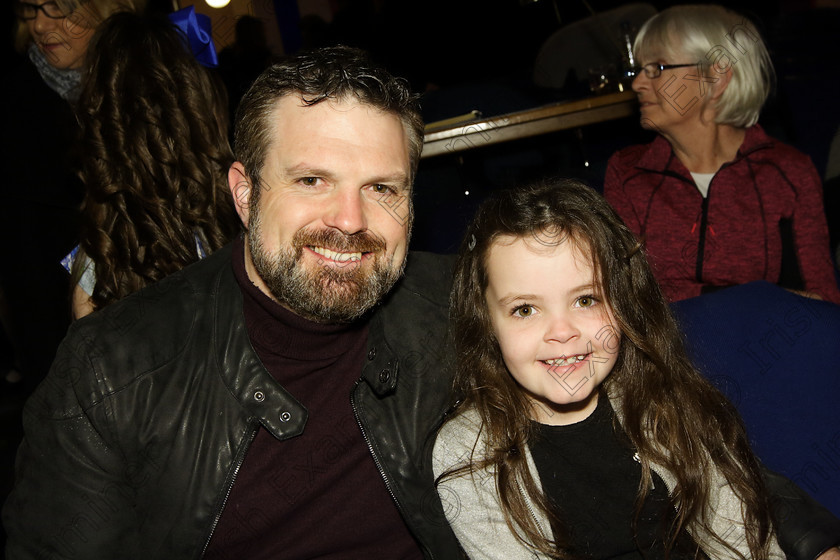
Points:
(830, 554)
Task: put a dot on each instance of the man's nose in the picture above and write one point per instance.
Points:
(347, 212)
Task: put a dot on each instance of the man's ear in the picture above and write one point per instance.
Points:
(240, 188)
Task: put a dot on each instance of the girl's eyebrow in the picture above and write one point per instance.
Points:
(507, 300)
(584, 287)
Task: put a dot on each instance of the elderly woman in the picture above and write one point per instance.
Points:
(39, 212)
(55, 36)
(716, 200)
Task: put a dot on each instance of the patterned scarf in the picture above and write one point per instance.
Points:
(64, 82)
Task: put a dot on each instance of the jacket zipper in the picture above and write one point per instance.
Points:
(239, 460)
(426, 552)
(701, 241)
(529, 506)
(704, 222)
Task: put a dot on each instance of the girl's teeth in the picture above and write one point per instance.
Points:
(566, 361)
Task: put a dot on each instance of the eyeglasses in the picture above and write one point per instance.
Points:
(654, 69)
(25, 10)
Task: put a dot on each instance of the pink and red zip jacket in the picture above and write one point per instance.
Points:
(734, 235)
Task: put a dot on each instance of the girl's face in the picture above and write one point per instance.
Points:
(63, 41)
(556, 335)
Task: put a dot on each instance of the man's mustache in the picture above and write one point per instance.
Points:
(362, 242)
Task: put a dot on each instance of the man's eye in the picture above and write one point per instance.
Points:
(523, 311)
(381, 189)
(309, 181)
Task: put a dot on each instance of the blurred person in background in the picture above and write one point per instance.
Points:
(716, 200)
(154, 160)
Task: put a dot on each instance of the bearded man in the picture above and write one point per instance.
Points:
(276, 400)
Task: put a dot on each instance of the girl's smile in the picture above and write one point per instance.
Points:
(555, 332)
(567, 360)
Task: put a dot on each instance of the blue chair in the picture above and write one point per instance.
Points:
(776, 355)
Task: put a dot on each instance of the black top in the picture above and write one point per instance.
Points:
(589, 471)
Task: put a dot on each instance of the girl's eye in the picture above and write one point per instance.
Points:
(585, 301)
(523, 311)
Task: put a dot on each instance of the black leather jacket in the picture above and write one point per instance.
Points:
(134, 441)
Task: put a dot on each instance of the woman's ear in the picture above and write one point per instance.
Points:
(714, 93)
(719, 86)
(240, 188)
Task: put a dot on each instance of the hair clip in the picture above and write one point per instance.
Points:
(471, 244)
(196, 29)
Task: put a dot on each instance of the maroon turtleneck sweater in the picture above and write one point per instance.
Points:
(318, 495)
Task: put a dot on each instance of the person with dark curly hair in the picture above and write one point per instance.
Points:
(155, 156)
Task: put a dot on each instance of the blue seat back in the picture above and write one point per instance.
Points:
(776, 355)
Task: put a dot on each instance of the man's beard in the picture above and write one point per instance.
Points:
(338, 292)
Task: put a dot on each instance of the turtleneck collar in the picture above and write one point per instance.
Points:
(275, 330)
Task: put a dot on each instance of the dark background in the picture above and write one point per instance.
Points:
(479, 54)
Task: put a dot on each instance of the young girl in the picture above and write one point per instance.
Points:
(584, 430)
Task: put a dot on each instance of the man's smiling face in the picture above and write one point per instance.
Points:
(323, 239)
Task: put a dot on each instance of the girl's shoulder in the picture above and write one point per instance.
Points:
(457, 441)
(464, 421)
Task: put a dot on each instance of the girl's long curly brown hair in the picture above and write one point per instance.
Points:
(671, 413)
(155, 155)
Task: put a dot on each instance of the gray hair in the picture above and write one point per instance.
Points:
(720, 40)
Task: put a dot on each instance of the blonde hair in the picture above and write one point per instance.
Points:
(84, 14)
(719, 40)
